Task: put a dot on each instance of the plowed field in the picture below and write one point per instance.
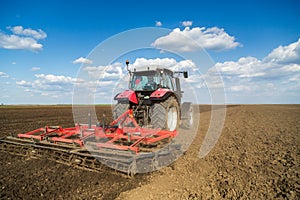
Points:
(257, 157)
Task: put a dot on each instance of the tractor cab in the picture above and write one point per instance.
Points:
(151, 80)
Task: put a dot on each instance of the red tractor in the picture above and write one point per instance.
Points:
(155, 95)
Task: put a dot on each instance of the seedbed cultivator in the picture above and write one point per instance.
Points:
(122, 145)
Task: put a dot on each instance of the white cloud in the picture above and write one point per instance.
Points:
(143, 62)
(291, 68)
(114, 71)
(295, 78)
(13, 63)
(50, 79)
(4, 75)
(187, 23)
(24, 83)
(35, 68)
(19, 30)
(238, 88)
(56, 85)
(18, 41)
(276, 74)
(82, 60)
(244, 67)
(95, 80)
(196, 38)
(285, 54)
(275, 64)
(169, 63)
(158, 23)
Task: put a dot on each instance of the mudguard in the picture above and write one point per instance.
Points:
(160, 94)
(127, 95)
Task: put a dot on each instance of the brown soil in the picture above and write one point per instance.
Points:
(31, 178)
(257, 157)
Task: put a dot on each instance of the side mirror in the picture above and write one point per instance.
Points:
(185, 74)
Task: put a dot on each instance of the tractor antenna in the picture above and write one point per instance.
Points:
(127, 63)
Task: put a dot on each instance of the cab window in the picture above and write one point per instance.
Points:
(169, 83)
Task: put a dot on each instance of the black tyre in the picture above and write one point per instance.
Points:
(165, 115)
(119, 109)
(158, 116)
(187, 115)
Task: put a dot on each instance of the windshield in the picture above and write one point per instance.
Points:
(147, 81)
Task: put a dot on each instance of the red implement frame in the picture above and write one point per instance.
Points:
(127, 136)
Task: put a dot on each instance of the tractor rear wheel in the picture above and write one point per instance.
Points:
(165, 115)
(158, 116)
(172, 108)
(119, 109)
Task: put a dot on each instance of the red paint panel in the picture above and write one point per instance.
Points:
(159, 93)
(128, 94)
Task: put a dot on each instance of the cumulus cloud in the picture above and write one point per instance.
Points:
(169, 63)
(194, 39)
(279, 70)
(187, 23)
(244, 67)
(158, 23)
(82, 60)
(291, 68)
(50, 78)
(24, 83)
(48, 84)
(19, 30)
(3, 75)
(22, 39)
(17, 42)
(285, 54)
(274, 64)
(108, 72)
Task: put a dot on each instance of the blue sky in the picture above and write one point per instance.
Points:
(254, 45)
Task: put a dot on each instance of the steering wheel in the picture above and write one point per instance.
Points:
(150, 86)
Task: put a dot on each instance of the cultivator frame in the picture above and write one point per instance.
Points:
(121, 145)
(112, 136)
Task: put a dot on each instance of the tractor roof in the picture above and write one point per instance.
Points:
(153, 69)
